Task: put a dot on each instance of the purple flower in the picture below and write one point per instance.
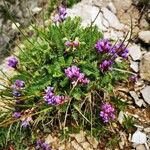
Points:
(26, 121)
(16, 93)
(133, 78)
(18, 84)
(105, 65)
(76, 43)
(61, 16)
(51, 98)
(107, 112)
(17, 114)
(68, 43)
(75, 75)
(103, 46)
(12, 62)
(121, 50)
(42, 145)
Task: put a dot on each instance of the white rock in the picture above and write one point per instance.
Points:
(135, 52)
(146, 94)
(134, 65)
(138, 137)
(93, 141)
(134, 95)
(85, 145)
(112, 19)
(137, 101)
(76, 146)
(145, 67)
(121, 117)
(145, 36)
(147, 130)
(111, 7)
(80, 137)
(140, 147)
(86, 15)
(36, 10)
(15, 26)
(49, 139)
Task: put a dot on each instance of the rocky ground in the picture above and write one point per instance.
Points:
(114, 20)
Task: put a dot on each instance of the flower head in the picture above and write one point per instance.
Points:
(18, 84)
(76, 43)
(133, 78)
(68, 43)
(103, 46)
(74, 74)
(16, 93)
(121, 50)
(12, 62)
(17, 114)
(61, 16)
(105, 65)
(26, 121)
(42, 145)
(107, 112)
(51, 98)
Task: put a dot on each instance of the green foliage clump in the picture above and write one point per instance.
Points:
(42, 63)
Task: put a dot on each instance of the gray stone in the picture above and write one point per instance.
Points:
(134, 65)
(145, 67)
(146, 94)
(80, 137)
(134, 95)
(111, 7)
(92, 141)
(137, 101)
(135, 52)
(138, 137)
(87, 16)
(76, 146)
(145, 36)
(112, 19)
(140, 147)
(147, 130)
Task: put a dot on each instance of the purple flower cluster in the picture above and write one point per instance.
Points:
(61, 16)
(133, 78)
(112, 51)
(16, 114)
(103, 46)
(42, 145)
(105, 65)
(74, 43)
(19, 84)
(51, 98)
(107, 112)
(74, 74)
(12, 62)
(26, 121)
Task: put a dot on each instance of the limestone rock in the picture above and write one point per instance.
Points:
(112, 19)
(145, 67)
(139, 137)
(140, 147)
(146, 94)
(145, 36)
(134, 65)
(76, 146)
(135, 52)
(111, 7)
